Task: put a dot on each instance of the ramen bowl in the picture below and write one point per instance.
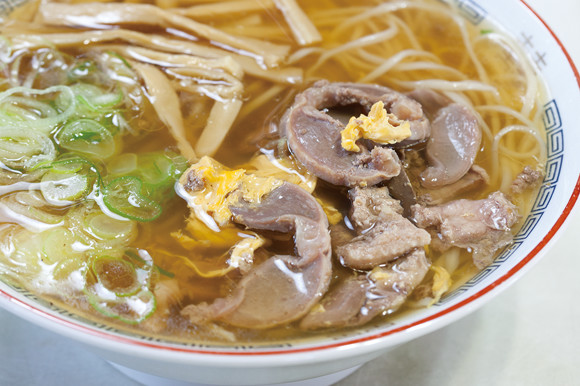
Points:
(333, 357)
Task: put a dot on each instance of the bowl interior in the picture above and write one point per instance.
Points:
(554, 202)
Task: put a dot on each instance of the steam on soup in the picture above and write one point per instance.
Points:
(255, 171)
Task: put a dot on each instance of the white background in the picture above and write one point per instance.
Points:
(529, 335)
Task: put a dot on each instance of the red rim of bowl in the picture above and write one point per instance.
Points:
(557, 225)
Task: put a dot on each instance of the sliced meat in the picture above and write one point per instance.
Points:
(283, 288)
(401, 189)
(362, 297)
(314, 135)
(527, 179)
(452, 147)
(475, 178)
(383, 233)
(484, 226)
(454, 142)
(431, 101)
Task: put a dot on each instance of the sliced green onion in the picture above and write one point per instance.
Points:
(33, 207)
(116, 275)
(129, 309)
(82, 69)
(165, 272)
(33, 116)
(57, 245)
(60, 188)
(72, 163)
(22, 149)
(123, 196)
(122, 164)
(108, 228)
(156, 169)
(119, 287)
(87, 137)
(93, 98)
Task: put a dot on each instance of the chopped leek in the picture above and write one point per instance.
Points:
(124, 196)
(119, 287)
(108, 228)
(15, 112)
(87, 137)
(60, 188)
(22, 150)
(129, 309)
(94, 99)
(122, 164)
(116, 275)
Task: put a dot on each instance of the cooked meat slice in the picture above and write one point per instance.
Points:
(527, 179)
(369, 205)
(362, 297)
(475, 178)
(401, 189)
(452, 147)
(283, 288)
(431, 101)
(314, 135)
(484, 226)
(454, 142)
(383, 233)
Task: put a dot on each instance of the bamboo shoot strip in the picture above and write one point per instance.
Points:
(219, 122)
(302, 28)
(166, 103)
(99, 15)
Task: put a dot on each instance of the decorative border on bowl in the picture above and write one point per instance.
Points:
(555, 156)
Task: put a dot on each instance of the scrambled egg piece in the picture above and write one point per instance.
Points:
(215, 185)
(234, 247)
(242, 254)
(333, 215)
(379, 275)
(379, 126)
(286, 169)
(441, 283)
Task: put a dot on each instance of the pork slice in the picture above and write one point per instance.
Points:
(362, 297)
(314, 135)
(283, 288)
(527, 179)
(475, 178)
(383, 233)
(484, 226)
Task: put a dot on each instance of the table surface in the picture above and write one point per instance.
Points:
(528, 335)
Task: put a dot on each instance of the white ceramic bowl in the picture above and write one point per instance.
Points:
(291, 362)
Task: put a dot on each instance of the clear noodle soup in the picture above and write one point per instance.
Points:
(105, 105)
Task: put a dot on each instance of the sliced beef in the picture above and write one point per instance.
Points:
(383, 233)
(527, 179)
(484, 226)
(362, 297)
(314, 135)
(283, 288)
